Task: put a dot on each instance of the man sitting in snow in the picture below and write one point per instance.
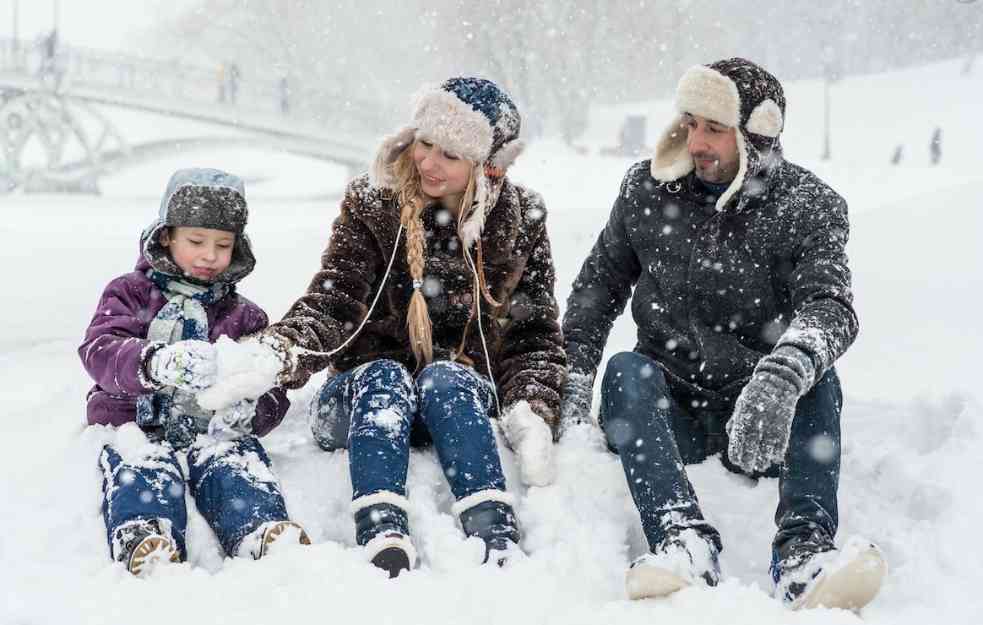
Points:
(743, 303)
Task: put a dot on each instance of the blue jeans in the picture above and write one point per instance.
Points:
(657, 430)
(377, 411)
(232, 485)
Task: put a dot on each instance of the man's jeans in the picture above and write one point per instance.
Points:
(657, 433)
(377, 410)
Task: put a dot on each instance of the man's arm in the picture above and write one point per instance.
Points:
(599, 295)
(825, 323)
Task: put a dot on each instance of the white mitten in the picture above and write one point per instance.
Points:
(186, 365)
(532, 441)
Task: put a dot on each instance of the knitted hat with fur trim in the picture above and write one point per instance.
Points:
(470, 117)
(734, 92)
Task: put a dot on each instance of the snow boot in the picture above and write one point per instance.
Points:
(382, 527)
(489, 516)
(683, 559)
(848, 578)
(144, 544)
(257, 544)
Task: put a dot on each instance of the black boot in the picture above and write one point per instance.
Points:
(382, 527)
(493, 521)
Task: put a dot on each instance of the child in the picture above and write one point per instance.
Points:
(149, 350)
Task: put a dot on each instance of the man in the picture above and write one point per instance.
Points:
(742, 301)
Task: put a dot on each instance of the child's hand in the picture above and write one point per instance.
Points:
(187, 365)
(233, 421)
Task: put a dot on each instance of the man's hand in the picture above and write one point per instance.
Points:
(762, 420)
(578, 391)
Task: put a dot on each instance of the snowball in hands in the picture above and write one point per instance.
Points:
(532, 441)
(762, 420)
(246, 370)
(186, 365)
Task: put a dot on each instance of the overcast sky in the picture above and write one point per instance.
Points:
(107, 24)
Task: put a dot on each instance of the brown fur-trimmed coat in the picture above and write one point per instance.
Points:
(523, 334)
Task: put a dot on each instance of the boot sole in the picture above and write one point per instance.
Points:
(151, 551)
(393, 560)
(652, 582)
(851, 587)
(272, 534)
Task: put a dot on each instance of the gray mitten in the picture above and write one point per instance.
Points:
(578, 391)
(762, 419)
(233, 421)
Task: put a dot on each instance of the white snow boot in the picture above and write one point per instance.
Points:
(847, 578)
(684, 559)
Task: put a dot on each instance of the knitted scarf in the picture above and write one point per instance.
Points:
(169, 413)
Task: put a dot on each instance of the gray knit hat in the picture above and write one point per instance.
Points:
(202, 198)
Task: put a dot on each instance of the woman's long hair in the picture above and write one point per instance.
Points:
(409, 194)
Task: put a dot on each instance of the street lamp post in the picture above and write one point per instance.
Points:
(14, 47)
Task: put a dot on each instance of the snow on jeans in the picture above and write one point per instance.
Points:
(378, 410)
(657, 433)
(232, 484)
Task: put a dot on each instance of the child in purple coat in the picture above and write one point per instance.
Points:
(149, 349)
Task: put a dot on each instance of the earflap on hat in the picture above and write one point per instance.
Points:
(381, 173)
(672, 160)
(742, 169)
(506, 155)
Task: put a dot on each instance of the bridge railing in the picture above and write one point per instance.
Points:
(173, 81)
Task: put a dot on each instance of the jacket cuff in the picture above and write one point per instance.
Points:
(143, 372)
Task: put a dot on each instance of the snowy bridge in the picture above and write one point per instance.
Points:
(55, 136)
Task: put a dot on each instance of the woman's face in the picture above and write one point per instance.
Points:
(443, 176)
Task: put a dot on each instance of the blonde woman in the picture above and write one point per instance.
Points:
(434, 308)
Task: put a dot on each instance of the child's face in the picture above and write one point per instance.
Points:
(201, 253)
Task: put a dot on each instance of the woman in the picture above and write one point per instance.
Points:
(434, 306)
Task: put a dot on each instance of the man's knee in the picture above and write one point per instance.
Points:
(633, 377)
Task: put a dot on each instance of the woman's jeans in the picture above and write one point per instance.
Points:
(377, 411)
(657, 431)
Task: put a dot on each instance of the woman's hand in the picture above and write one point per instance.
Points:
(531, 438)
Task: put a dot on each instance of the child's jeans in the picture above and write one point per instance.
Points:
(232, 484)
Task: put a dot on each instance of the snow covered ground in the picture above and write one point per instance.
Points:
(911, 424)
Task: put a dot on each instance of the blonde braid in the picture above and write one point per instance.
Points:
(410, 197)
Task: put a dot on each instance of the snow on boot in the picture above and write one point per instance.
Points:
(382, 527)
(392, 552)
(847, 578)
(488, 515)
(684, 559)
(144, 544)
(258, 543)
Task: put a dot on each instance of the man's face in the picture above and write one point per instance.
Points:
(713, 147)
